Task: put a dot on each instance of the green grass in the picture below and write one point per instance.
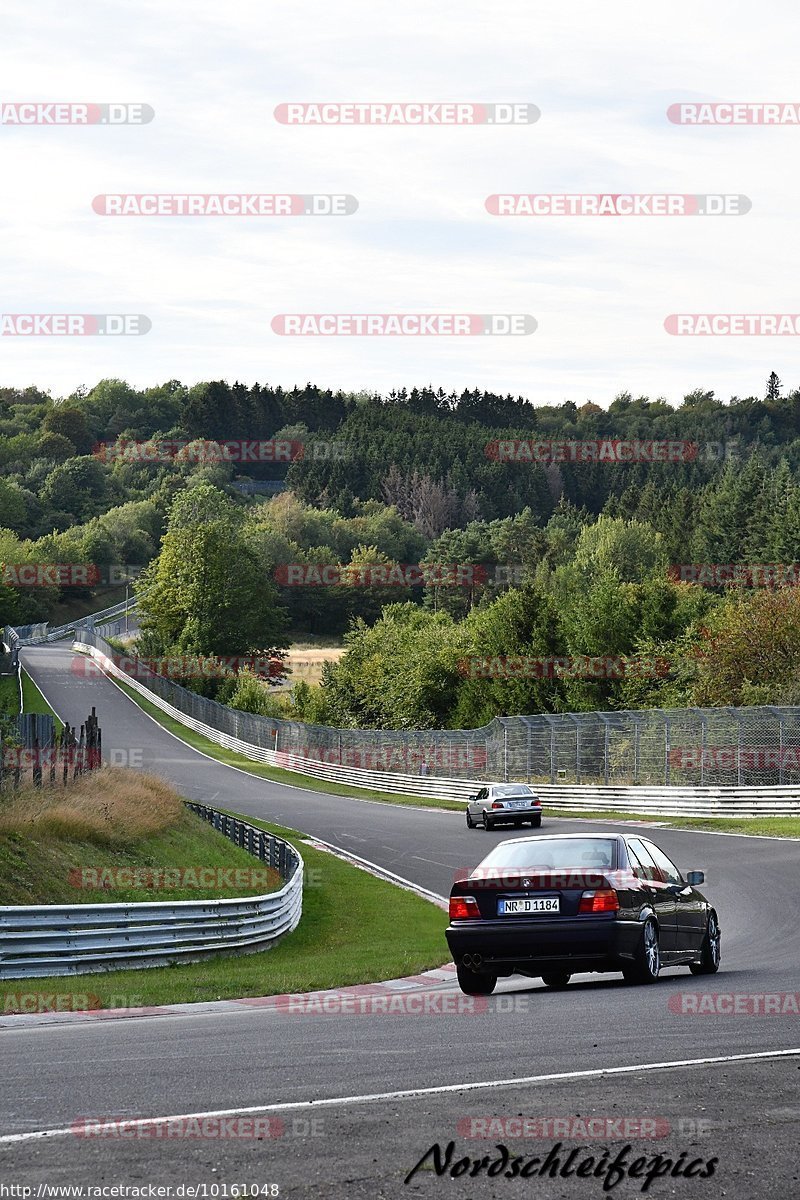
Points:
(355, 929)
(40, 868)
(277, 774)
(9, 694)
(34, 702)
(771, 826)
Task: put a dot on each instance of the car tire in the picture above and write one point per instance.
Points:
(647, 962)
(536, 823)
(487, 824)
(475, 983)
(710, 954)
(470, 822)
(556, 980)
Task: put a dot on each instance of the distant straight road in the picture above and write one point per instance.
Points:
(155, 1066)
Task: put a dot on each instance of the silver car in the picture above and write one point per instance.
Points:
(496, 802)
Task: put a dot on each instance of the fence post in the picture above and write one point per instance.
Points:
(576, 723)
(667, 747)
(637, 739)
(37, 762)
(528, 739)
(505, 752)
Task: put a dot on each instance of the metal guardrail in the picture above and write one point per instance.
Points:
(34, 635)
(73, 939)
(753, 747)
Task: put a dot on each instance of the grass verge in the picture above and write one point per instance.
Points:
(355, 929)
(65, 845)
(34, 702)
(232, 759)
(770, 826)
(9, 695)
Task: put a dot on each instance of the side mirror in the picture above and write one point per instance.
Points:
(471, 799)
(693, 878)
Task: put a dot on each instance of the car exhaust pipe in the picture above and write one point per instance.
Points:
(473, 961)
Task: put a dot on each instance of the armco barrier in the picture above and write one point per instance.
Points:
(34, 635)
(655, 801)
(72, 939)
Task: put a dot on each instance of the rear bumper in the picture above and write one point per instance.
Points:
(530, 946)
(496, 815)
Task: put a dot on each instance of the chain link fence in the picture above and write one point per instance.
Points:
(689, 747)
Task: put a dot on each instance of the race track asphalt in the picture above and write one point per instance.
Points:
(745, 1112)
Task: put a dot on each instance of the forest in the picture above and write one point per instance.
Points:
(464, 583)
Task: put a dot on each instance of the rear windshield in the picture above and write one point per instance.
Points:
(551, 854)
(510, 789)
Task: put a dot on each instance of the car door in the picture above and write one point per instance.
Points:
(660, 894)
(478, 804)
(690, 908)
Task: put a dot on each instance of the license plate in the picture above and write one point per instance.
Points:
(528, 904)
(517, 803)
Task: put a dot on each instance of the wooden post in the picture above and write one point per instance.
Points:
(37, 762)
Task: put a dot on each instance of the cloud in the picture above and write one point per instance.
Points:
(422, 240)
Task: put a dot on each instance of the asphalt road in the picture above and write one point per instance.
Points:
(744, 1112)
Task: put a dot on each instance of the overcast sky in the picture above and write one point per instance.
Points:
(421, 241)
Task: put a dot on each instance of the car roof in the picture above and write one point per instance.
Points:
(506, 785)
(566, 837)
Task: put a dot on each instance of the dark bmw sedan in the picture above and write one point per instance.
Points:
(550, 907)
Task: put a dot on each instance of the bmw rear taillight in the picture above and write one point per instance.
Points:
(537, 804)
(602, 900)
(463, 907)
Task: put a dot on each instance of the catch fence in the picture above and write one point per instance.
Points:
(693, 747)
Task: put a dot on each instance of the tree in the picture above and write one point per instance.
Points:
(774, 386)
(12, 507)
(78, 486)
(630, 549)
(70, 422)
(205, 594)
(750, 652)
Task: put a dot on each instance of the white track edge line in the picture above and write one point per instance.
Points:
(411, 1093)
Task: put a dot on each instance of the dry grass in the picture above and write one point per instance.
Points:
(112, 806)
